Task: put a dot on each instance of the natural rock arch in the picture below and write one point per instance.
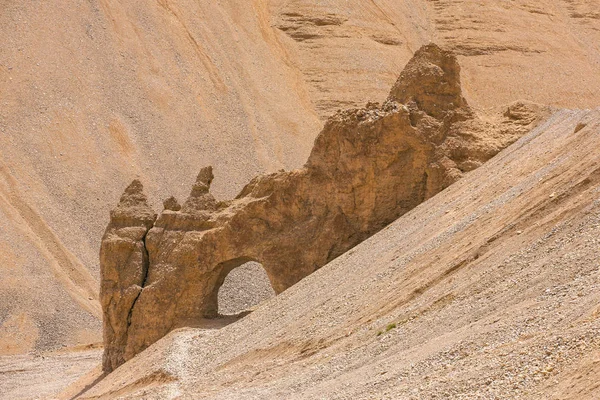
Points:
(213, 307)
(243, 289)
(367, 168)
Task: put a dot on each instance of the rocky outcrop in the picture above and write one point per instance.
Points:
(368, 167)
(123, 267)
(431, 82)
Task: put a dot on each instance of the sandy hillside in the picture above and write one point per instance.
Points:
(95, 93)
(487, 290)
(42, 376)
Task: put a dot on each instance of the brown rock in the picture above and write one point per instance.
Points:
(171, 204)
(200, 198)
(430, 81)
(367, 168)
(124, 265)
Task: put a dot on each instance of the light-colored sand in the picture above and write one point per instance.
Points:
(44, 375)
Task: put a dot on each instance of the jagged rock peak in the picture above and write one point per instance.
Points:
(203, 181)
(171, 204)
(133, 208)
(134, 194)
(430, 80)
(200, 198)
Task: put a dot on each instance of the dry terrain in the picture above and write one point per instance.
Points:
(43, 375)
(96, 93)
(488, 290)
(368, 167)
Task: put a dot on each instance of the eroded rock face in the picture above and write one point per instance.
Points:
(123, 267)
(430, 82)
(367, 168)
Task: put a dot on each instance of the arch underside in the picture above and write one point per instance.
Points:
(244, 288)
(224, 269)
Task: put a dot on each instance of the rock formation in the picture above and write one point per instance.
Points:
(124, 267)
(367, 168)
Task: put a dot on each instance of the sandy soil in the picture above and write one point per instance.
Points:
(44, 375)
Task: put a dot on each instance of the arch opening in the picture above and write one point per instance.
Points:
(243, 287)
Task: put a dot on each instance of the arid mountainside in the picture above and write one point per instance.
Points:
(94, 94)
(367, 168)
(490, 289)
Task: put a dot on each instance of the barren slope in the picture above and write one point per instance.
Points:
(28, 376)
(544, 51)
(488, 290)
(95, 93)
